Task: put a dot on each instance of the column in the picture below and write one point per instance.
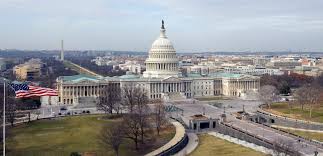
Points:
(158, 86)
(248, 85)
(173, 88)
(179, 87)
(90, 88)
(152, 88)
(162, 85)
(73, 92)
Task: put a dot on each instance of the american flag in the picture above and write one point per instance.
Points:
(23, 90)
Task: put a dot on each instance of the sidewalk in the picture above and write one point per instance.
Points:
(193, 141)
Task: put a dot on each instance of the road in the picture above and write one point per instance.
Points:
(267, 133)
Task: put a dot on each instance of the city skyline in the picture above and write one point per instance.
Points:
(194, 27)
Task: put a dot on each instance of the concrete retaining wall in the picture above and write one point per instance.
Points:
(271, 119)
(178, 142)
(235, 132)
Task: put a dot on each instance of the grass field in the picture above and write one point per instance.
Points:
(70, 65)
(71, 134)
(212, 146)
(305, 134)
(296, 112)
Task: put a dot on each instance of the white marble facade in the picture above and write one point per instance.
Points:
(161, 80)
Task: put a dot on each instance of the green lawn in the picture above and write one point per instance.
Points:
(68, 64)
(212, 146)
(71, 134)
(305, 134)
(296, 112)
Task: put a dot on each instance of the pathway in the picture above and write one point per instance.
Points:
(193, 141)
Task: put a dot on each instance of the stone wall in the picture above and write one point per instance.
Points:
(176, 148)
(235, 132)
(177, 143)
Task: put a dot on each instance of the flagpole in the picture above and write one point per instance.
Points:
(4, 119)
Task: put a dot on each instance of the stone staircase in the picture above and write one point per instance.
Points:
(175, 96)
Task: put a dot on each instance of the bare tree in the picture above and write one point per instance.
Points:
(135, 99)
(112, 136)
(132, 128)
(141, 109)
(268, 94)
(130, 93)
(314, 92)
(301, 96)
(159, 115)
(109, 99)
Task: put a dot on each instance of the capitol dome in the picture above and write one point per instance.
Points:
(162, 60)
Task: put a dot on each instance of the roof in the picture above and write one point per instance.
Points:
(194, 75)
(79, 77)
(131, 76)
(227, 75)
(199, 117)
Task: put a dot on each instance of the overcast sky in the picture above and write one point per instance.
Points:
(192, 25)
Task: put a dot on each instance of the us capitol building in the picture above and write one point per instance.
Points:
(161, 80)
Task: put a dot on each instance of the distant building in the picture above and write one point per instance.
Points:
(3, 64)
(132, 66)
(261, 61)
(252, 70)
(307, 70)
(29, 70)
(285, 64)
(243, 61)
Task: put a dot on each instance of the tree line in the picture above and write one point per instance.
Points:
(102, 70)
(284, 83)
(308, 91)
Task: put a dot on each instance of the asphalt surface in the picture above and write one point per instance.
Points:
(231, 106)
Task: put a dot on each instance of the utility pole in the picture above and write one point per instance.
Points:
(4, 119)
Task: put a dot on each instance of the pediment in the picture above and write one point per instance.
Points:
(246, 77)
